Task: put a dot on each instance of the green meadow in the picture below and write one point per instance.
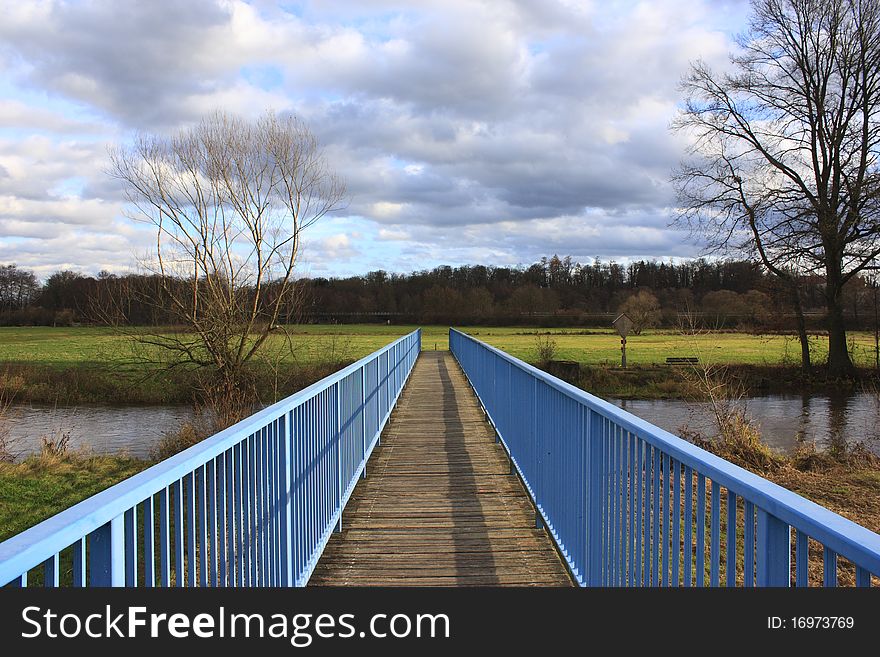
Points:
(315, 343)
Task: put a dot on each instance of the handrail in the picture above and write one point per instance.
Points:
(334, 423)
(616, 452)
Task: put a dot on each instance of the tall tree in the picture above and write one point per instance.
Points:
(228, 200)
(785, 147)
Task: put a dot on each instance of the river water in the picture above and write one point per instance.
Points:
(784, 420)
(102, 429)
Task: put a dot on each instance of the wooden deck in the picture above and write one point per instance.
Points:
(439, 507)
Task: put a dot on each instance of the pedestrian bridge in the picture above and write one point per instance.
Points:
(466, 467)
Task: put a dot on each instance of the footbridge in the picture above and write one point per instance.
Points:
(448, 468)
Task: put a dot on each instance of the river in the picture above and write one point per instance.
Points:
(102, 429)
(784, 420)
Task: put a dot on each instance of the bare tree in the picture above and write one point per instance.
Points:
(643, 309)
(785, 147)
(228, 199)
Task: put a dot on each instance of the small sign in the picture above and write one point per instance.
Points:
(623, 324)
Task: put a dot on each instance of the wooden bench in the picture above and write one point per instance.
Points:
(679, 360)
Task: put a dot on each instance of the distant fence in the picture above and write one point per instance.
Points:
(253, 505)
(629, 504)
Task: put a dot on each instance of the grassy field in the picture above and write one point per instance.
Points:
(67, 347)
(88, 365)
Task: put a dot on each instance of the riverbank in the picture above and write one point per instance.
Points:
(123, 385)
(94, 383)
(44, 485)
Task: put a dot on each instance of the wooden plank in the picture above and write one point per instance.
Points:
(439, 507)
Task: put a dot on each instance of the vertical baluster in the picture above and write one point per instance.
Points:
(802, 559)
(688, 525)
(364, 439)
(748, 543)
(203, 525)
(229, 467)
(259, 451)
(131, 535)
(254, 515)
(621, 492)
(774, 550)
(701, 530)
(634, 556)
(338, 452)
(829, 563)
(655, 520)
(612, 508)
(107, 554)
(177, 488)
(665, 511)
(279, 508)
(676, 522)
(640, 505)
(268, 505)
(273, 510)
(594, 515)
(79, 563)
(863, 577)
(286, 461)
(50, 572)
(164, 538)
(715, 541)
(606, 502)
(191, 557)
(246, 515)
(222, 522)
(731, 538)
(239, 520)
(149, 521)
(303, 477)
(211, 476)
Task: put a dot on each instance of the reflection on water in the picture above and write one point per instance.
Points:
(133, 430)
(784, 419)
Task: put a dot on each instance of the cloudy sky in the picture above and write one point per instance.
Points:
(492, 131)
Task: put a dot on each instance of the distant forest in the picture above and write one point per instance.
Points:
(553, 292)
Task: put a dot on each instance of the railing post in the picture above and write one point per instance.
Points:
(338, 527)
(774, 551)
(378, 397)
(595, 499)
(364, 419)
(107, 554)
(539, 447)
(287, 503)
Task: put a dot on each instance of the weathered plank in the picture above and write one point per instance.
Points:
(439, 507)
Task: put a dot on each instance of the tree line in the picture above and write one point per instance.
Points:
(554, 291)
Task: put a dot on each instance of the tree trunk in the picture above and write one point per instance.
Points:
(839, 362)
(806, 366)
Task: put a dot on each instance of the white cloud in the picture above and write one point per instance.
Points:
(497, 129)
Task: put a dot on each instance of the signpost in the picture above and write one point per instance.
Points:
(623, 324)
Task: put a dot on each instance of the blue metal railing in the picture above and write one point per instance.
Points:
(253, 505)
(618, 495)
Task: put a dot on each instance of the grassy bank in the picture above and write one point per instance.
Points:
(671, 382)
(40, 487)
